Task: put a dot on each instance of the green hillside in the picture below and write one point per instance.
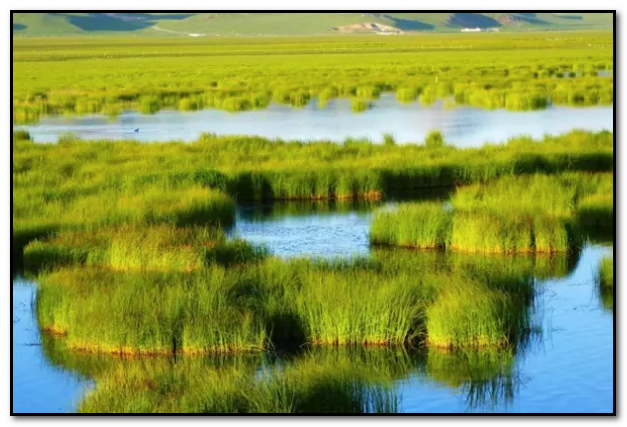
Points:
(231, 24)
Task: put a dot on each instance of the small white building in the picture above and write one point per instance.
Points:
(471, 30)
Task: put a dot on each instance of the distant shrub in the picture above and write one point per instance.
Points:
(21, 135)
(388, 139)
(434, 139)
(68, 137)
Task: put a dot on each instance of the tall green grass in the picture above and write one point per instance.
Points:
(535, 213)
(251, 168)
(128, 248)
(279, 304)
(469, 314)
(425, 226)
(41, 210)
(242, 74)
(81, 185)
(149, 313)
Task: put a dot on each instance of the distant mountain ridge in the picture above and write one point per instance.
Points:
(276, 23)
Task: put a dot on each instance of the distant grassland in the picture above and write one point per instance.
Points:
(517, 72)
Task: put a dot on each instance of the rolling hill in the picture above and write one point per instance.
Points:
(273, 23)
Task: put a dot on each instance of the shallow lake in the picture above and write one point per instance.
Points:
(461, 126)
(568, 366)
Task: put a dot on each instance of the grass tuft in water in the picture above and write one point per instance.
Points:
(128, 248)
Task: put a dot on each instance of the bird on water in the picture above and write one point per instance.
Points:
(137, 130)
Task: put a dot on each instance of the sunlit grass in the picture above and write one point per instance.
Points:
(531, 213)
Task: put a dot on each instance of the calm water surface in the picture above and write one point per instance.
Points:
(38, 385)
(568, 368)
(461, 126)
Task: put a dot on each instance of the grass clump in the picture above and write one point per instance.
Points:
(279, 304)
(534, 213)
(434, 139)
(389, 139)
(423, 225)
(127, 248)
(21, 135)
(41, 211)
(606, 273)
(471, 314)
(72, 77)
(359, 105)
(357, 308)
(100, 310)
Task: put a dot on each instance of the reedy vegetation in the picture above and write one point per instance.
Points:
(80, 184)
(533, 213)
(518, 72)
(386, 300)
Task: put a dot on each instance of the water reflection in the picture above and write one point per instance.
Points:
(488, 379)
(39, 384)
(317, 380)
(575, 339)
(461, 126)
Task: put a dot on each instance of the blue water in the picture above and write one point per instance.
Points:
(567, 368)
(461, 126)
(38, 386)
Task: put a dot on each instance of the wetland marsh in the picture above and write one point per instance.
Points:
(258, 247)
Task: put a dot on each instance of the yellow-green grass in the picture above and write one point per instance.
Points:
(500, 71)
(21, 135)
(250, 168)
(152, 248)
(515, 214)
(424, 226)
(314, 382)
(80, 185)
(471, 314)
(98, 310)
(278, 304)
(41, 209)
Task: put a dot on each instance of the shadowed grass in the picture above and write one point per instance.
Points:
(41, 212)
(21, 135)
